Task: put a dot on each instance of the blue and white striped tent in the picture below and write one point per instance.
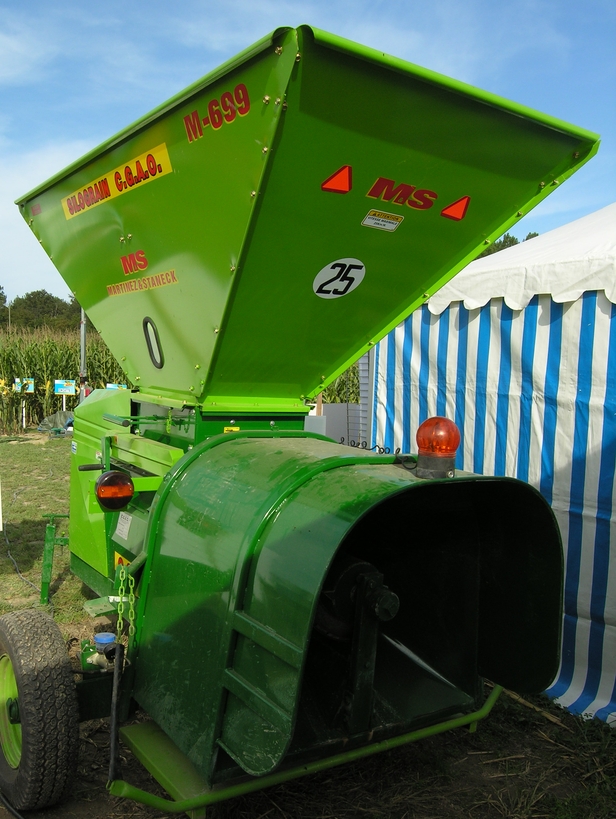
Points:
(520, 350)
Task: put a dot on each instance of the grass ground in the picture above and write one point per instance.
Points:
(34, 479)
(528, 760)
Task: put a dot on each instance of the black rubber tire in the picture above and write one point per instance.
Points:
(48, 711)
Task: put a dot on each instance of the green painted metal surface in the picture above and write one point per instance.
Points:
(124, 789)
(89, 527)
(156, 438)
(165, 762)
(209, 241)
(51, 541)
(241, 539)
(10, 726)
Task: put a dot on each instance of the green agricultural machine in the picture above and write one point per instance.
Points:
(285, 603)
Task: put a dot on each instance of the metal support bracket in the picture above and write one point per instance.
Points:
(120, 788)
(51, 541)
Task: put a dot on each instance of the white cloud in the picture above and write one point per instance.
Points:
(229, 27)
(89, 56)
(24, 266)
(93, 69)
(120, 49)
(25, 49)
(473, 41)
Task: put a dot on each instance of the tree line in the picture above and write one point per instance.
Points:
(39, 309)
(505, 241)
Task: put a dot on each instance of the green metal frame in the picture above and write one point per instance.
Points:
(51, 541)
(121, 788)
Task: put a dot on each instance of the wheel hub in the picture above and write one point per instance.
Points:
(10, 726)
(12, 706)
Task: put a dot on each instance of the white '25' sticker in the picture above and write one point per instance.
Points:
(338, 278)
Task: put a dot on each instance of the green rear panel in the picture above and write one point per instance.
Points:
(208, 219)
(90, 527)
(241, 539)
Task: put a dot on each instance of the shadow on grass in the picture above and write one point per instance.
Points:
(58, 580)
(10, 439)
(25, 542)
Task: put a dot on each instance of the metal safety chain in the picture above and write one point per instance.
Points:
(131, 603)
(121, 590)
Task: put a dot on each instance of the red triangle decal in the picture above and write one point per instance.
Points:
(457, 210)
(339, 182)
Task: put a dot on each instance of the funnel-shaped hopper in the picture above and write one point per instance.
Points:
(243, 244)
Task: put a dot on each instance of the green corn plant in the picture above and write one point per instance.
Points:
(47, 355)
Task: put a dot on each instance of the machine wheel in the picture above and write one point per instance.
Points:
(39, 718)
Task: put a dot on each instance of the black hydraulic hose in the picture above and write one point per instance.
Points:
(114, 764)
(9, 807)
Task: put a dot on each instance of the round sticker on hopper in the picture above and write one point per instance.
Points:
(338, 278)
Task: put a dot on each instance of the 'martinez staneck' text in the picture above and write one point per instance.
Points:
(144, 283)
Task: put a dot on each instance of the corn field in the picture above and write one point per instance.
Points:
(46, 356)
(345, 389)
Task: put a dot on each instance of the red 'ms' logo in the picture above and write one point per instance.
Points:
(134, 262)
(402, 194)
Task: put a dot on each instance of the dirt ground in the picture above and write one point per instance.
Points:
(522, 763)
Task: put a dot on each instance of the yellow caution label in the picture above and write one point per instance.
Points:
(382, 220)
(231, 429)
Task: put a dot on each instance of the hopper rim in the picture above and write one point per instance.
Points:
(336, 43)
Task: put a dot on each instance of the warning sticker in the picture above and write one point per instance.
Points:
(123, 527)
(382, 220)
(119, 560)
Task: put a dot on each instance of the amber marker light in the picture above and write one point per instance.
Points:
(114, 490)
(438, 440)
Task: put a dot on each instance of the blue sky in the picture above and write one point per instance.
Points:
(72, 74)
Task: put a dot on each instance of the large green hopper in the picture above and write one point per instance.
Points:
(243, 244)
(290, 603)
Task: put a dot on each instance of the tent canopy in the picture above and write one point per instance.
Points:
(520, 350)
(564, 263)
